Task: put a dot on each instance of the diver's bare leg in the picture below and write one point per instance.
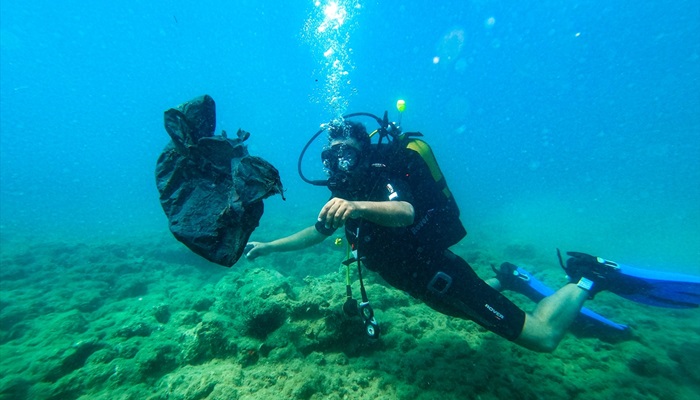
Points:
(546, 325)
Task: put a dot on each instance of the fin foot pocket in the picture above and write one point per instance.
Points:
(510, 277)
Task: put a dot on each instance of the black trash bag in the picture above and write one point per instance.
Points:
(210, 188)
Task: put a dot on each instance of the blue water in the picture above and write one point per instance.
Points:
(557, 124)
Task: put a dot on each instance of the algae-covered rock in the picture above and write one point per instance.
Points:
(103, 356)
(206, 341)
(201, 344)
(17, 331)
(258, 302)
(646, 363)
(11, 314)
(81, 381)
(71, 322)
(215, 381)
(158, 360)
(202, 304)
(317, 321)
(138, 328)
(132, 287)
(127, 350)
(68, 360)
(14, 387)
(161, 313)
(88, 301)
(687, 355)
(188, 318)
(265, 318)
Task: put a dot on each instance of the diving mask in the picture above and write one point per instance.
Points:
(340, 157)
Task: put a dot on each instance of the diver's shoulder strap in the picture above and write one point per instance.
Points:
(426, 153)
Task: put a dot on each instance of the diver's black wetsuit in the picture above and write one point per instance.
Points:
(416, 258)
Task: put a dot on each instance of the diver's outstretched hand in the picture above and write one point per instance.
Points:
(254, 250)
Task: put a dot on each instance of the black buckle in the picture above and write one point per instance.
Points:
(440, 283)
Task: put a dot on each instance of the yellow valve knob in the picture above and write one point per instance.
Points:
(401, 105)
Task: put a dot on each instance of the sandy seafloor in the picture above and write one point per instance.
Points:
(143, 318)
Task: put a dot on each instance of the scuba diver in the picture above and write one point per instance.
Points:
(400, 219)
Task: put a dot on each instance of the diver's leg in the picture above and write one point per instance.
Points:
(494, 283)
(546, 325)
(541, 330)
(455, 289)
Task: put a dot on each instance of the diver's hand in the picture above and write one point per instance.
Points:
(337, 211)
(254, 250)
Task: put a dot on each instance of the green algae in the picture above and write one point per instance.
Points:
(144, 319)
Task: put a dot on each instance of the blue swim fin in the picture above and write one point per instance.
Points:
(655, 288)
(519, 280)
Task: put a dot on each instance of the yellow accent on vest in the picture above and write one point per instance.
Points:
(426, 153)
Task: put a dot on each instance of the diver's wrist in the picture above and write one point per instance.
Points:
(361, 208)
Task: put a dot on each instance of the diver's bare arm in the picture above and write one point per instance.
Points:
(387, 213)
(305, 238)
